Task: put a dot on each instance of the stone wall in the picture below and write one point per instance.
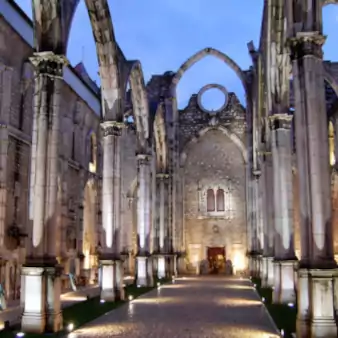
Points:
(212, 157)
(78, 121)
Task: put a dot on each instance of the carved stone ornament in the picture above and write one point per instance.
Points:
(112, 128)
(143, 159)
(306, 44)
(215, 229)
(280, 121)
(49, 64)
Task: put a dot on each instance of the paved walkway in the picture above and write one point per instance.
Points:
(194, 307)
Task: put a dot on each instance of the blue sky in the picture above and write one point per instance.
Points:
(162, 34)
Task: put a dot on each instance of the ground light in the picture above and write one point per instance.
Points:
(158, 284)
(291, 305)
(282, 332)
(130, 297)
(70, 327)
(102, 301)
(20, 334)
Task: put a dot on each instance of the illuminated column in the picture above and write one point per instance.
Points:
(317, 267)
(144, 273)
(5, 108)
(110, 258)
(163, 224)
(285, 258)
(42, 308)
(269, 218)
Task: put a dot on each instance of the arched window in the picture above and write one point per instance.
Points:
(210, 200)
(331, 144)
(220, 200)
(92, 153)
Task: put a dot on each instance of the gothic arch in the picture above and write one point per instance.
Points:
(140, 101)
(52, 22)
(160, 139)
(219, 55)
(233, 137)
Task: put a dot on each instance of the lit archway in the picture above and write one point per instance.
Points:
(89, 234)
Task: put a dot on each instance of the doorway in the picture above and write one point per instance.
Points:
(216, 259)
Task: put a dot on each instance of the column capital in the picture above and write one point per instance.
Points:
(162, 176)
(280, 121)
(306, 44)
(112, 128)
(143, 158)
(256, 173)
(49, 64)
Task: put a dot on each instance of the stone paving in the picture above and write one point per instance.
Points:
(194, 307)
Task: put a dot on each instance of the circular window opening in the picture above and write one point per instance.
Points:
(213, 100)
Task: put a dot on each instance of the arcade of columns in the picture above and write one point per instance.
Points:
(291, 40)
(291, 44)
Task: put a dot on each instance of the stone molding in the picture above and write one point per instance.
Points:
(306, 44)
(280, 121)
(143, 159)
(162, 176)
(49, 64)
(112, 128)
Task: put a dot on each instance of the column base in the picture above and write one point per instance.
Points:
(42, 306)
(161, 267)
(111, 280)
(264, 272)
(181, 266)
(316, 314)
(254, 264)
(270, 279)
(287, 282)
(276, 281)
(144, 271)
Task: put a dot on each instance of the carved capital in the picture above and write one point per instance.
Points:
(143, 159)
(280, 121)
(49, 64)
(162, 176)
(112, 128)
(306, 44)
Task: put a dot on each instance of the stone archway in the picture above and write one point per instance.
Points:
(89, 232)
(219, 55)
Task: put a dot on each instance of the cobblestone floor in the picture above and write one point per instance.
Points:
(192, 307)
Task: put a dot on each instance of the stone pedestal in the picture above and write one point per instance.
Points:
(277, 281)
(144, 271)
(264, 272)
(42, 305)
(111, 280)
(181, 266)
(161, 267)
(316, 308)
(270, 279)
(287, 282)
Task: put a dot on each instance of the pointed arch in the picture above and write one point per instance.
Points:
(219, 55)
(108, 58)
(160, 139)
(52, 22)
(139, 100)
(233, 137)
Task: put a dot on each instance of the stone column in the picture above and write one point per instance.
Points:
(42, 309)
(269, 214)
(163, 233)
(317, 267)
(110, 259)
(285, 258)
(144, 274)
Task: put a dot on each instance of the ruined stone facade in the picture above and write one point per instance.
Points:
(103, 182)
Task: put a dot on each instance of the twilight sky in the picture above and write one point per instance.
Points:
(162, 34)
